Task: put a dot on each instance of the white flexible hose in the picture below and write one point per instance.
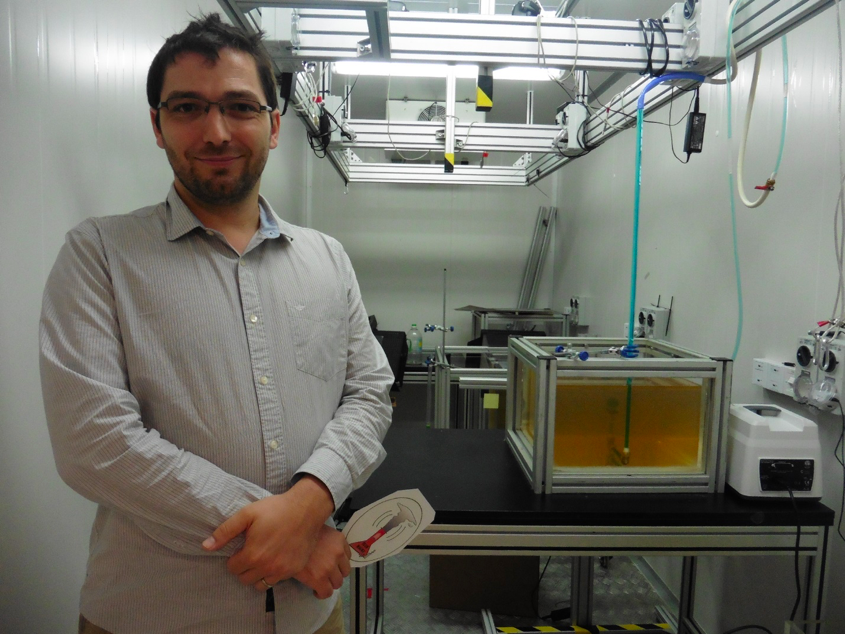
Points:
(542, 53)
(742, 156)
(607, 122)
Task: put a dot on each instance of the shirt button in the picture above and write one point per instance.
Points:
(210, 232)
(273, 445)
(263, 381)
(253, 319)
(242, 262)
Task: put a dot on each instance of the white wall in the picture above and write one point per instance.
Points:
(401, 237)
(76, 143)
(788, 266)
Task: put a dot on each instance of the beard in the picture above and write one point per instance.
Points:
(221, 189)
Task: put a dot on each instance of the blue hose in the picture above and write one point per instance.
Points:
(630, 351)
(638, 156)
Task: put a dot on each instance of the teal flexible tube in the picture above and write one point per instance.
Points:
(635, 222)
(739, 333)
(638, 172)
(786, 74)
(635, 231)
(736, 269)
(785, 66)
(632, 293)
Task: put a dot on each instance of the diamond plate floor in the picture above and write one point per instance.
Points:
(621, 596)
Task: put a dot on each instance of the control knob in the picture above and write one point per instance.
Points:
(829, 362)
(804, 356)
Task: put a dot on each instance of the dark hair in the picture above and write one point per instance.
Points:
(207, 35)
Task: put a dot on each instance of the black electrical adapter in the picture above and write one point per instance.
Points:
(323, 126)
(286, 89)
(695, 133)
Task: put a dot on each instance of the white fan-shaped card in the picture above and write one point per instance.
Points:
(384, 528)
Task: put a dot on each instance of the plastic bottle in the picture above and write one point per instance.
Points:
(415, 346)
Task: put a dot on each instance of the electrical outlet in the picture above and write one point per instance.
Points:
(773, 375)
(759, 372)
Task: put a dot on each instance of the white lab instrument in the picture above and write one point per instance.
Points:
(771, 451)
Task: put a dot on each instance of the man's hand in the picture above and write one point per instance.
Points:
(328, 566)
(281, 532)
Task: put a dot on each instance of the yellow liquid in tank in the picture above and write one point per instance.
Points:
(590, 423)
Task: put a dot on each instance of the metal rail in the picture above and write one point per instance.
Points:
(336, 29)
(593, 44)
(756, 25)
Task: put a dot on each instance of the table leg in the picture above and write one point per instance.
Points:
(688, 589)
(358, 600)
(581, 591)
(488, 625)
(814, 583)
(379, 596)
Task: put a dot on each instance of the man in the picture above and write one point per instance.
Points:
(210, 378)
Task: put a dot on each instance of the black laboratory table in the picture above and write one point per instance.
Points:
(484, 505)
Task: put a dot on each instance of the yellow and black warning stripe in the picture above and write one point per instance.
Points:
(484, 92)
(603, 628)
(449, 162)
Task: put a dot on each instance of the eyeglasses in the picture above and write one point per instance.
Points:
(188, 109)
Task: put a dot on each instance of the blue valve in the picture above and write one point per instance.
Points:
(629, 352)
(563, 350)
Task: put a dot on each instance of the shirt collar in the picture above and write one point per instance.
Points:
(270, 221)
(181, 220)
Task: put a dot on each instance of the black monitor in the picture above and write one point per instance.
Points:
(395, 346)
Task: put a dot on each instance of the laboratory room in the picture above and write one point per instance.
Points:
(488, 316)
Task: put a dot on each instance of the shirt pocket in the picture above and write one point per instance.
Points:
(320, 341)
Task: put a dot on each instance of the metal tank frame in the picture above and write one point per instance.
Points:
(536, 458)
(465, 378)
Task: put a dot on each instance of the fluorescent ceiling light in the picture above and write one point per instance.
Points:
(403, 69)
(526, 73)
(462, 71)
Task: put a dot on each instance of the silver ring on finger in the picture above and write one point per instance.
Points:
(264, 582)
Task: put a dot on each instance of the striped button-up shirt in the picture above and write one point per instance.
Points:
(182, 381)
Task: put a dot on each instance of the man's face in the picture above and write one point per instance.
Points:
(217, 159)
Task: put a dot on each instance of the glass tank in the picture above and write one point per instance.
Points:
(582, 417)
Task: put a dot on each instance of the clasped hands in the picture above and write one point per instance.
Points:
(285, 537)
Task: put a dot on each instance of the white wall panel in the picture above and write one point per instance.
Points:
(788, 266)
(76, 142)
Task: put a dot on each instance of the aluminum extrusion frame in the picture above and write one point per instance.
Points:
(491, 40)
(682, 363)
(688, 542)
